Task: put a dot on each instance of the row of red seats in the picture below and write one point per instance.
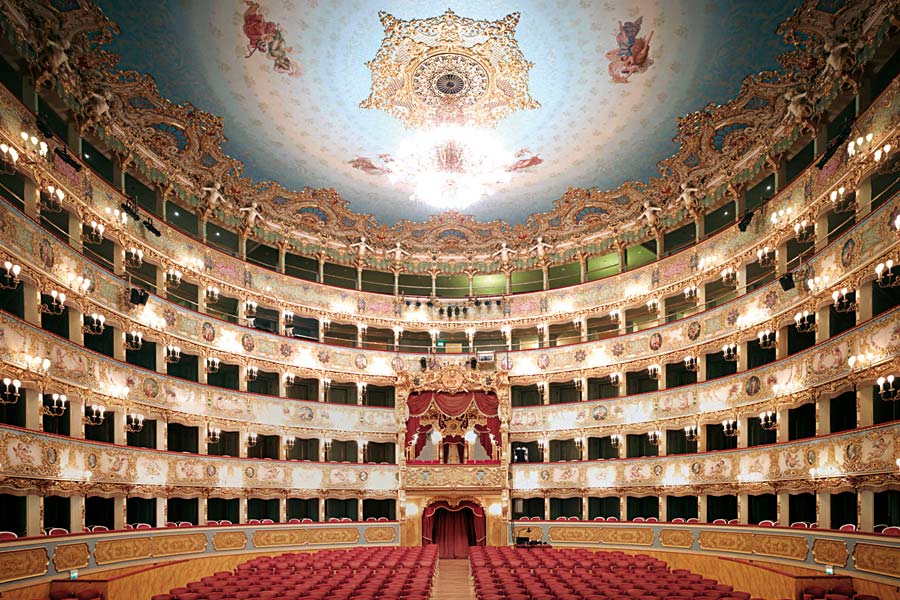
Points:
(356, 573)
(575, 574)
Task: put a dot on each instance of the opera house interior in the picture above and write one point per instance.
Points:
(509, 300)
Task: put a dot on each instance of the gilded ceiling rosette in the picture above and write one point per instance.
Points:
(449, 69)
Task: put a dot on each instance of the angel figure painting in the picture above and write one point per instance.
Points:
(268, 38)
(633, 54)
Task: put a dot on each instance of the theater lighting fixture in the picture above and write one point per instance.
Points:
(117, 216)
(860, 360)
(56, 305)
(653, 305)
(95, 325)
(653, 437)
(692, 432)
(51, 202)
(252, 373)
(730, 352)
(213, 434)
(615, 314)
(768, 420)
(730, 427)
(94, 235)
(134, 258)
(212, 365)
(768, 339)
(252, 439)
(56, 407)
(843, 303)
(361, 388)
(173, 278)
(816, 284)
(10, 392)
(9, 156)
(289, 441)
(805, 322)
(766, 256)
(691, 293)
(290, 379)
(691, 364)
(653, 371)
(34, 146)
(250, 308)
(887, 274)
(782, 216)
(37, 365)
(615, 440)
(10, 277)
(858, 146)
(888, 388)
(729, 277)
(212, 295)
(173, 354)
(134, 423)
(94, 415)
(79, 284)
(615, 378)
(134, 340)
(804, 231)
(326, 383)
(841, 202)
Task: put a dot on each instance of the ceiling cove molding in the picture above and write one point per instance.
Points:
(133, 105)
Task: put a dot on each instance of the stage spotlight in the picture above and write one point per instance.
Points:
(138, 297)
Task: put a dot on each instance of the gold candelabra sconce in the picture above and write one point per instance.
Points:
(94, 415)
(134, 258)
(10, 393)
(9, 279)
(805, 321)
(95, 325)
(56, 407)
(94, 235)
(55, 306)
(134, 422)
(134, 340)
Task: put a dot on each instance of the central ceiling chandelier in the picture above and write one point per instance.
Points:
(451, 166)
(450, 80)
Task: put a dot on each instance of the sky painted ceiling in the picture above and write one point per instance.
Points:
(298, 121)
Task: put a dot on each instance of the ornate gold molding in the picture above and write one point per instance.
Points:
(229, 540)
(71, 556)
(676, 538)
(21, 564)
(830, 552)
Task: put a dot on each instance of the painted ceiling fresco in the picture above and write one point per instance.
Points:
(609, 80)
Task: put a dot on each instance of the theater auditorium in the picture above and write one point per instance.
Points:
(416, 300)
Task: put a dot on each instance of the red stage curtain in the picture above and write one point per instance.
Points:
(453, 528)
(453, 405)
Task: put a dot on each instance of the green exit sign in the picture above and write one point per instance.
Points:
(441, 343)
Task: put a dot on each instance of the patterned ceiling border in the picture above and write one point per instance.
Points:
(178, 147)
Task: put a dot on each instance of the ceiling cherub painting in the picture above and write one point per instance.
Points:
(267, 38)
(633, 54)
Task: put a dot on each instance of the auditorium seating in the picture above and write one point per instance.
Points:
(580, 574)
(357, 574)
